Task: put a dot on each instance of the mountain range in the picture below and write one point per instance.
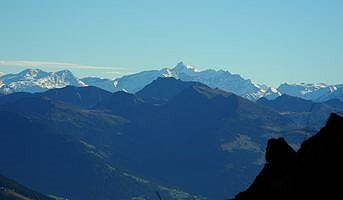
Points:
(35, 80)
(187, 143)
(167, 137)
(306, 113)
(316, 92)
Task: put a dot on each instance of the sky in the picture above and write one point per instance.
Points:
(268, 41)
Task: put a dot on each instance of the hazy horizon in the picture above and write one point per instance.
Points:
(266, 41)
(83, 71)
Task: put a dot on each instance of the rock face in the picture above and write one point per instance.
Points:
(314, 172)
(279, 153)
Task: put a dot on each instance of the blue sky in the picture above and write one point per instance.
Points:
(268, 41)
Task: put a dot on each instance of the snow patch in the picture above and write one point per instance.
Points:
(272, 93)
(314, 91)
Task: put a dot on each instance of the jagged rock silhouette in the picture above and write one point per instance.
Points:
(315, 171)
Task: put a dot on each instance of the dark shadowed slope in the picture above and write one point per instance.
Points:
(314, 172)
(286, 103)
(11, 190)
(197, 138)
(61, 149)
(15, 97)
(162, 90)
(306, 113)
(85, 97)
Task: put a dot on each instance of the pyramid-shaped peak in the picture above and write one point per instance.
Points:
(181, 66)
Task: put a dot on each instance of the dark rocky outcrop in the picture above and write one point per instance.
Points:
(314, 172)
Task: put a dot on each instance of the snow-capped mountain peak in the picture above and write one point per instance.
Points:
(314, 91)
(36, 80)
(32, 73)
(63, 78)
(213, 78)
(25, 75)
(182, 67)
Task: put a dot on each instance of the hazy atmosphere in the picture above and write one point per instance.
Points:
(256, 39)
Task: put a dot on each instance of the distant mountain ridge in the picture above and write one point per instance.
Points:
(35, 80)
(316, 92)
(307, 113)
(216, 79)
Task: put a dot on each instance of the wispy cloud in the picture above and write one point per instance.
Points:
(51, 64)
(81, 69)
